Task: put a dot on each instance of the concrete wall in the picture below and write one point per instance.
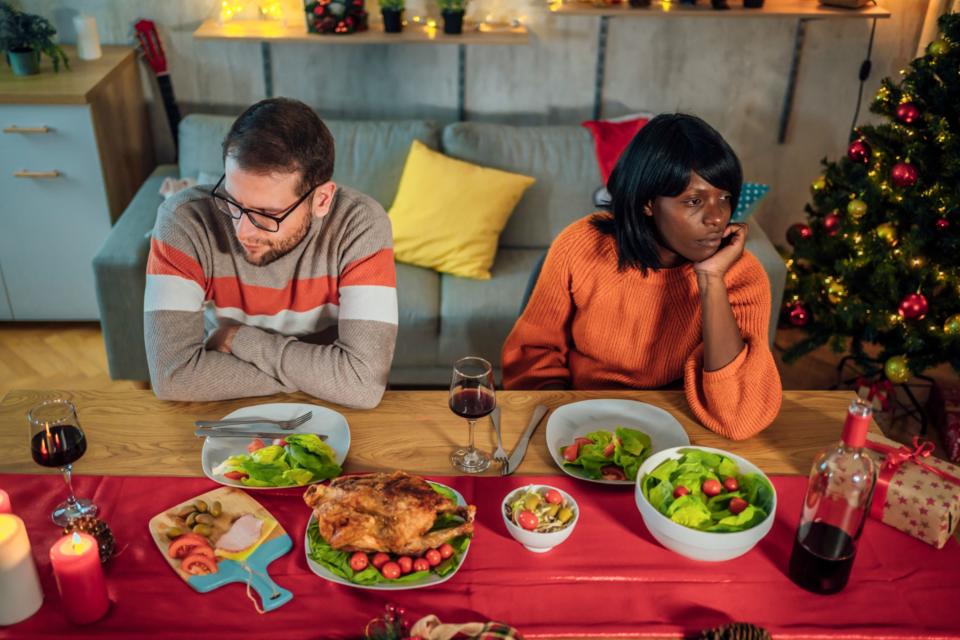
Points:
(731, 72)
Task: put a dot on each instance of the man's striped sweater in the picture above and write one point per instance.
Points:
(321, 319)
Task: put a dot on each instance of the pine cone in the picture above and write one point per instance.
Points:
(735, 631)
(106, 544)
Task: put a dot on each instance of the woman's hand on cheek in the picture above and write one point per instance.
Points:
(731, 248)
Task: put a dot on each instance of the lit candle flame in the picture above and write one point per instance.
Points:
(76, 540)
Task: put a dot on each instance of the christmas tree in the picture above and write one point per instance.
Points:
(876, 272)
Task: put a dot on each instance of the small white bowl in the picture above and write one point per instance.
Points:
(692, 543)
(531, 540)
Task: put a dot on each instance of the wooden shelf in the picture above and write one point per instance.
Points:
(76, 85)
(266, 31)
(770, 9)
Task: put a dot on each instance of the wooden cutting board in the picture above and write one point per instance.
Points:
(249, 566)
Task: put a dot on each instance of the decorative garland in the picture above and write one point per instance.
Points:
(336, 16)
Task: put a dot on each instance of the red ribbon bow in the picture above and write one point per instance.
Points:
(881, 389)
(895, 458)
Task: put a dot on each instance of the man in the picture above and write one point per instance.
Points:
(276, 279)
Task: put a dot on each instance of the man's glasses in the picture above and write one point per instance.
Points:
(260, 219)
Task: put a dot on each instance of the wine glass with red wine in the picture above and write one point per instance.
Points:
(471, 397)
(57, 441)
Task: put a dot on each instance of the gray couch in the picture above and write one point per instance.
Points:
(442, 317)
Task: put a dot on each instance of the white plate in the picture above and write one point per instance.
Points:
(429, 581)
(323, 421)
(580, 418)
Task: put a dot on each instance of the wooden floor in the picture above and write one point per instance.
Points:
(71, 356)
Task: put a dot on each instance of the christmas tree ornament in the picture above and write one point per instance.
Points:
(897, 370)
(914, 306)
(797, 233)
(908, 113)
(859, 151)
(952, 325)
(836, 292)
(97, 528)
(798, 315)
(819, 184)
(904, 174)
(938, 47)
(857, 208)
(942, 224)
(336, 16)
(831, 223)
(887, 232)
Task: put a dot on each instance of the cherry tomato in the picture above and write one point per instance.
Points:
(433, 557)
(406, 564)
(571, 451)
(281, 442)
(680, 491)
(582, 441)
(737, 505)
(359, 561)
(421, 564)
(612, 472)
(711, 488)
(528, 520)
(236, 475)
(199, 564)
(609, 449)
(552, 496)
(380, 559)
(255, 444)
(183, 546)
(730, 483)
(445, 550)
(390, 571)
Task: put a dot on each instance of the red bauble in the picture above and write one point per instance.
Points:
(859, 151)
(943, 224)
(798, 232)
(831, 223)
(798, 316)
(908, 113)
(914, 306)
(904, 174)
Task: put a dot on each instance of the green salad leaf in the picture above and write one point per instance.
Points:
(303, 459)
(697, 510)
(630, 448)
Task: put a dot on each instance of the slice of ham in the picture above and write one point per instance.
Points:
(244, 533)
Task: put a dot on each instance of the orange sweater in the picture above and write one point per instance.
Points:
(590, 326)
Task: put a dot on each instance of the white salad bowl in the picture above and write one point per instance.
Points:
(700, 545)
(532, 540)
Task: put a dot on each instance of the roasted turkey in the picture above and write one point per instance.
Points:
(390, 512)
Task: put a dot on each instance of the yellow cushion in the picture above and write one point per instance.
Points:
(448, 214)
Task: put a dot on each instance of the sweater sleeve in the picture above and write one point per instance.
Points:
(742, 398)
(176, 283)
(535, 353)
(353, 370)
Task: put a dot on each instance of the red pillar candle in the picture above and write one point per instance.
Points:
(5, 502)
(76, 566)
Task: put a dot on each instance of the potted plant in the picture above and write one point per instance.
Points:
(392, 11)
(24, 37)
(452, 12)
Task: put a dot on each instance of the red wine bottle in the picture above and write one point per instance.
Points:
(835, 508)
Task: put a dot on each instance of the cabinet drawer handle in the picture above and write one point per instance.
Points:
(36, 174)
(16, 129)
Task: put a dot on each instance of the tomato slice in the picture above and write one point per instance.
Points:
(255, 445)
(571, 452)
(583, 441)
(185, 545)
(199, 564)
(612, 472)
(236, 475)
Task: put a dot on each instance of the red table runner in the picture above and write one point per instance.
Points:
(609, 579)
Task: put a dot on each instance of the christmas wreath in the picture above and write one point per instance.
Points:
(336, 16)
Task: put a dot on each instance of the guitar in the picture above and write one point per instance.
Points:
(152, 50)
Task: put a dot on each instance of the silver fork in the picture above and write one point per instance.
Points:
(499, 455)
(286, 425)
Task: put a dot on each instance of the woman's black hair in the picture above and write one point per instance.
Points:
(658, 162)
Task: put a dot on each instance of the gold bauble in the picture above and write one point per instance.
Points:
(897, 369)
(952, 326)
(819, 184)
(888, 232)
(836, 292)
(857, 208)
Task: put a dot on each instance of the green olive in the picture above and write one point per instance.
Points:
(192, 518)
(204, 518)
(216, 509)
(186, 511)
(565, 514)
(174, 532)
(552, 510)
(204, 530)
(200, 506)
(531, 502)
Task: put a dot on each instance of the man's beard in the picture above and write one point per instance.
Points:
(279, 249)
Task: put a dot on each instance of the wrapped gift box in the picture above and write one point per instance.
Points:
(943, 408)
(916, 492)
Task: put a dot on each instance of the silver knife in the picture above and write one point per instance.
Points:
(517, 456)
(246, 433)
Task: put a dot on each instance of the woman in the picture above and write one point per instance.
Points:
(657, 289)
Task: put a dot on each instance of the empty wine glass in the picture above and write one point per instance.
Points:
(471, 397)
(56, 440)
